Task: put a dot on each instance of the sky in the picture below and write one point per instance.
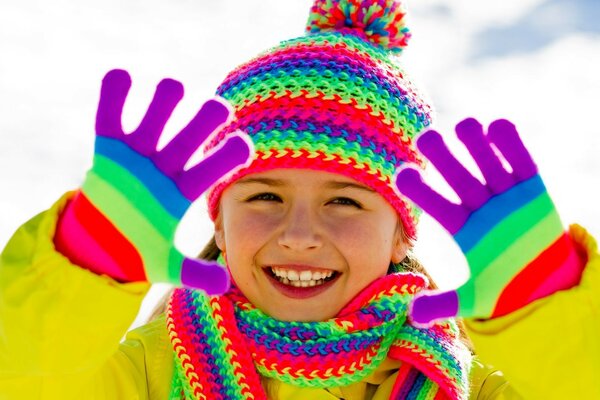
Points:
(534, 62)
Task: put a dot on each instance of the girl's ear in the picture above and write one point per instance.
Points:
(400, 245)
(219, 233)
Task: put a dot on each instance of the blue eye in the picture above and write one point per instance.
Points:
(344, 201)
(265, 197)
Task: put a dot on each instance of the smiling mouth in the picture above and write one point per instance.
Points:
(301, 279)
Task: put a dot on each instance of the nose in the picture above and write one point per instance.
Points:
(300, 231)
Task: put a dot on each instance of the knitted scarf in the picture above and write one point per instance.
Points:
(223, 343)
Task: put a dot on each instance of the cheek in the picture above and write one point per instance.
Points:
(363, 237)
(245, 235)
(248, 230)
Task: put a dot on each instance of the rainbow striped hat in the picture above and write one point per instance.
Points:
(334, 100)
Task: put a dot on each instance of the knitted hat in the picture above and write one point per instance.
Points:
(332, 100)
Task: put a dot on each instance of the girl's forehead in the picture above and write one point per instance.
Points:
(281, 177)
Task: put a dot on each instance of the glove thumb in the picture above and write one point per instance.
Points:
(429, 306)
(204, 275)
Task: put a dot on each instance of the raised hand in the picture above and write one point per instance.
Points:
(508, 228)
(134, 196)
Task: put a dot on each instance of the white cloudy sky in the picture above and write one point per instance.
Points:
(532, 61)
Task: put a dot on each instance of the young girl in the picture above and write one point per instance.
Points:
(314, 294)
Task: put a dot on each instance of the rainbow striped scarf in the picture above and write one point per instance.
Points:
(223, 344)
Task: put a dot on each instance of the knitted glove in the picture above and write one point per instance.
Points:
(508, 228)
(123, 220)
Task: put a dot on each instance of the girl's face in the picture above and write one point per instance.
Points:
(300, 244)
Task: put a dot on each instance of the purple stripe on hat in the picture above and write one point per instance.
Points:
(338, 67)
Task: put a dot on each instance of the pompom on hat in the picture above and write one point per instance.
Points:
(333, 100)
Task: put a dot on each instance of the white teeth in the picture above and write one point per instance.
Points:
(305, 276)
(301, 278)
(293, 275)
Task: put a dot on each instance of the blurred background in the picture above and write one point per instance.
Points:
(534, 62)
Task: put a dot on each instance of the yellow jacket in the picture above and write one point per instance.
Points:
(61, 328)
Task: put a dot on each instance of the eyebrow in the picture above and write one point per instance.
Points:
(344, 185)
(327, 185)
(264, 181)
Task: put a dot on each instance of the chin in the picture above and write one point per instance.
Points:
(300, 315)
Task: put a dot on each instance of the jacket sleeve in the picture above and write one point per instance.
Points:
(550, 349)
(61, 325)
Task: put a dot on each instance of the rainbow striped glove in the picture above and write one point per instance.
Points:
(508, 228)
(123, 220)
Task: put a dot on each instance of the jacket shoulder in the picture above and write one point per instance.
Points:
(149, 345)
(489, 383)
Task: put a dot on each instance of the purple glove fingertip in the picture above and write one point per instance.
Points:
(409, 183)
(224, 104)
(212, 115)
(505, 137)
(471, 192)
(115, 86)
(429, 307)
(223, 161)
(166, 97)
(207, 276)
(470, 132)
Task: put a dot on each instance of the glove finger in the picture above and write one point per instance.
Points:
(115, 86)
(506, 138)
(451, 216)
(429, 307)
(470, 132)
(174, 156)
(223, 160)
(145, 138)
(471, 192)
(204, 275)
